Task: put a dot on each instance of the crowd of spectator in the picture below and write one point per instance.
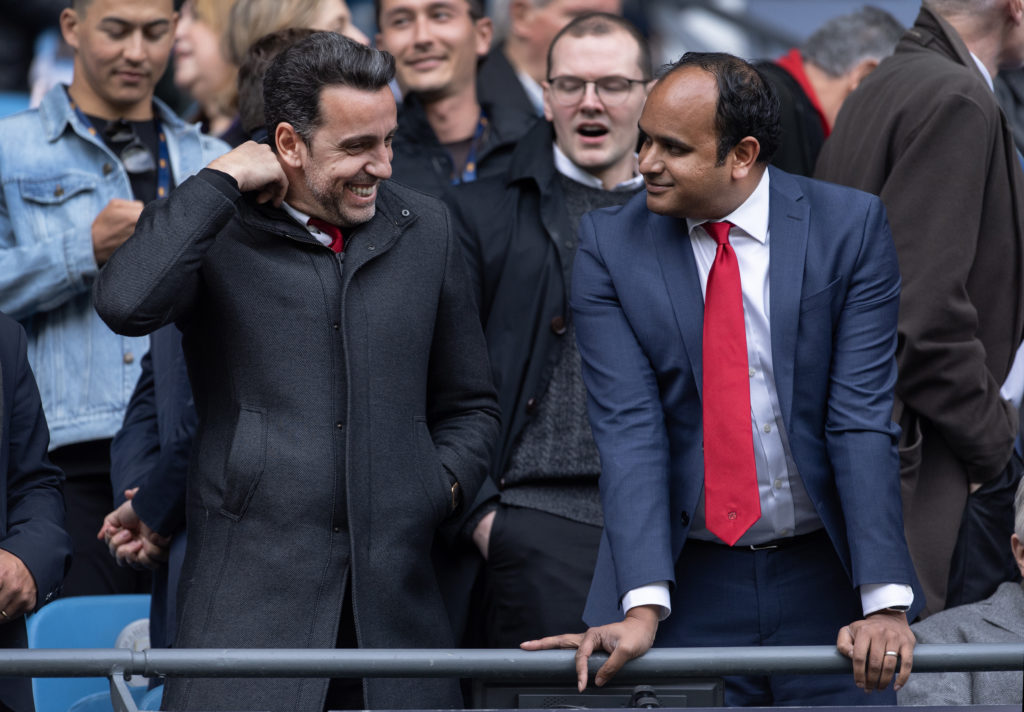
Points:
(443, 339)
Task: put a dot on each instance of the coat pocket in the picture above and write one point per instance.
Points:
(820, 298)
(246, 461)
(433, 476)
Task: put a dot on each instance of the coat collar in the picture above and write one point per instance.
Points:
(933, 32)
(1004, 608)
(788, 222)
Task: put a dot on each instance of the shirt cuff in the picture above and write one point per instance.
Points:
(876, 596)
(654, 594)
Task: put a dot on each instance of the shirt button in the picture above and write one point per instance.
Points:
(129, 357)
(108, 168)
(752, 373)
(778, 484)
(784, 532)
(767, 427)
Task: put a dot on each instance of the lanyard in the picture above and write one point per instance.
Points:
(163, 174)
(468, 174)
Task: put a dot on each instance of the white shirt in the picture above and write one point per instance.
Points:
(302, 219)
(565, 166)
(786, 509)
(534, 91)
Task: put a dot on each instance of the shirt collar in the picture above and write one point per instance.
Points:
(565, 166)
(302, 219)
(984, 71)
(751, 216)
(534, 91)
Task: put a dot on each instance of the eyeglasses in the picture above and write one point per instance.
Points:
(612, 91)
(135, 157)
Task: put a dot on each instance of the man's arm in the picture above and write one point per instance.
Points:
(861, 443)
(36, 551)
(942, 362)
(153, 278)
(626, 418)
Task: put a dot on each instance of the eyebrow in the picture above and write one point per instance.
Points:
(121, 22)
(666, 140)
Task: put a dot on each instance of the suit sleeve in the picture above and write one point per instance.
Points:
(942, 363)
(136, 446)
(626, 418)
(860, 436)
(35, 500)
(153, 278)
(462, 407)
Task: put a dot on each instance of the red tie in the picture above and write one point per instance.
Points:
(731, 501)
(332, 231)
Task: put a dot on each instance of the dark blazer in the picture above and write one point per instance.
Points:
(498, 86)
(925, 132)
(151, 452)
(638, 305)
(31, 495)
(339, 396)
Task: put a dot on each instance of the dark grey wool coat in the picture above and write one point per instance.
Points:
(336, 398)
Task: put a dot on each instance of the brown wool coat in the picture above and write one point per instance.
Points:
(925, 133)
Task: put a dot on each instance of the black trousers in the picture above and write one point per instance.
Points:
(346, 693)
(538, 574)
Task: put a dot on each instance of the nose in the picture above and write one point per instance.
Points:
(134, 47)
(379, 165)
(648, 160)
(590, 100)
(421, 32)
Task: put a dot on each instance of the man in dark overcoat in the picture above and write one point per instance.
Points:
(925, 133)
(340, 378)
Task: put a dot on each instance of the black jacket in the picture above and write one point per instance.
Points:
(510, 227)
(802, 133)
(498, 86)
(422, 162)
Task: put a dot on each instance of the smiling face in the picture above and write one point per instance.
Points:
(598, 138)
(121, 51)
(347, 157)
(436, 44)
(679, 155)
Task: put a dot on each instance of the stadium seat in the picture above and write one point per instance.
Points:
(84, 622)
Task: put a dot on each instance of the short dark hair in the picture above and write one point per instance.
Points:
(254, 67)
(747, 104)
(476, 9)
(291, 87)
(596, 24)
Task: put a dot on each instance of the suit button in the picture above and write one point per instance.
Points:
(531, 406)
(501, 483)
(337, 530)
(558, 325)
(335, 326)
(684, 519)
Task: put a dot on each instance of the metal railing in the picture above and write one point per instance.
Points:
(508, 665)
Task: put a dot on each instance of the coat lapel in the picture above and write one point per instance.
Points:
(679, 269)
(788, 226)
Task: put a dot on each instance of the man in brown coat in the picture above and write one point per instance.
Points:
(925, 133)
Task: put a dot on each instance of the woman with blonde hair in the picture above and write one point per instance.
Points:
(252, 19)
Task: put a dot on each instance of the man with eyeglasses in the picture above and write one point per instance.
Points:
(539, 523)
(447, 135)
(74, 176)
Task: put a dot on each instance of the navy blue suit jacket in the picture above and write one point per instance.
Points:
(637, 301)
(31, 495)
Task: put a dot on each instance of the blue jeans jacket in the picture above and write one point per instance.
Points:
(54, 180)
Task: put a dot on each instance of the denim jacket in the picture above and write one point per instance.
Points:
(54, 180)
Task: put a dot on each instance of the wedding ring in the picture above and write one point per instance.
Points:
(892, 653)
(4, 613)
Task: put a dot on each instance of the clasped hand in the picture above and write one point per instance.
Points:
(130, 541)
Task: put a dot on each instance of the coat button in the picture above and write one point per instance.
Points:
(501, 483)
(129, 358)
(405, 213)
(558, 325)
(684, 519)
(371, 248)
(531, 405)
(337, 530)
(108, 168)
(336, 326)
(339, 426)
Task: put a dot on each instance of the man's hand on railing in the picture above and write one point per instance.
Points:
(623, 641)
(875, 645)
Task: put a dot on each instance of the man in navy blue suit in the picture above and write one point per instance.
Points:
(35, 549)
(780, 524)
